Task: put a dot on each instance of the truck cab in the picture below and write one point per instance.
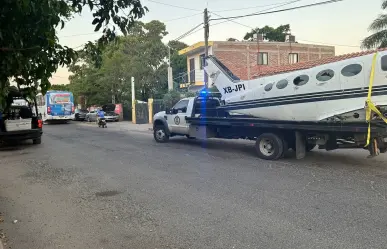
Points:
(172, 122)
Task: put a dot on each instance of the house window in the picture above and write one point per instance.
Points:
(384, 62)
(325, 75)
(192, 70)
(351, 70)
(293, 58)
(202, 61)
(263, 58)
(301, 80)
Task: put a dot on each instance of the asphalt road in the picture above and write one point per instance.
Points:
(86, 187)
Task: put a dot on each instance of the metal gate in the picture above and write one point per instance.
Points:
(142, 113)
(158, 106)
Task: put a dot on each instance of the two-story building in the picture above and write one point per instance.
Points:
(248, 59)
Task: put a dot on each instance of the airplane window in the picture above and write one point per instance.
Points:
(325, 75)
(268, 87)
(384, 63)
(282, 84)
(301, 80)
(351, 70)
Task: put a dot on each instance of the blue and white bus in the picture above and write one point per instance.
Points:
(56, 106)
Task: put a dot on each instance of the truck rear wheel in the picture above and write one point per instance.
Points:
(269, 146)
(37, 140)
(160, 134)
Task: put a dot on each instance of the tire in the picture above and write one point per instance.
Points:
(309, 147)
(160, 134)
(37, 141)
(190, 137)
(269, 146)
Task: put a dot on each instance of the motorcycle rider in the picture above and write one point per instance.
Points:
(100, 115)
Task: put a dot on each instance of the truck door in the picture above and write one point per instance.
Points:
(176, 121)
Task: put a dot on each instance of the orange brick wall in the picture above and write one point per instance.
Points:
(234, 56)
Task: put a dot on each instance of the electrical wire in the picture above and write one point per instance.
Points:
(314, 42)
(183, 17)
(330, 44)
(253, 7)
(262, 11)
(189, 32)
(277, 11)
(175, 6)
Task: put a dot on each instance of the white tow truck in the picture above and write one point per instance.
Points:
(199, 117)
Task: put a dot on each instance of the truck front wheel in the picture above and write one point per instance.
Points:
(269, 146)
(160, 134)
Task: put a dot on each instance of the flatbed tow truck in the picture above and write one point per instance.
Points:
(199, 117)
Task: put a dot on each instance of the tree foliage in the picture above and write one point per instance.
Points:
(379, 28)
(29, 47)
(171, 98)
(141, 54)
(61, 87)
(178, 62)
(232, 39)
(269, 33)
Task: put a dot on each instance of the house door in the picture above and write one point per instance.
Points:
(192, 70)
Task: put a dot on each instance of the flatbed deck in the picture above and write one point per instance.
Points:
(353, 127)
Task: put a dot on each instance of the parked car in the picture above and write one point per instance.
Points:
(19, 123)
(91, 116)
(110, 115)
(80, 114)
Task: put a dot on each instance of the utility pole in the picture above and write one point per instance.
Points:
(170, 73)
(206, 34)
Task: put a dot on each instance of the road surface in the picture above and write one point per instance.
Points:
(86, 187)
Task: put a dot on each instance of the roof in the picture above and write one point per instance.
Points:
(194, 47)
(259, 71)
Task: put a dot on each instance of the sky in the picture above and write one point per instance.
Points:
(342, 24)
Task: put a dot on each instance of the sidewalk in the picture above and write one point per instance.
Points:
(123, 126)
(128, 125)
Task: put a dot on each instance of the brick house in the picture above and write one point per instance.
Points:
(248, 59)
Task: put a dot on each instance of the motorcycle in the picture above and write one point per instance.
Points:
(102, 123)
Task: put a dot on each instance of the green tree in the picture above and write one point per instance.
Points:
(379, 28)
(29, 47)
(171, 98)
(178, 62)
(269, 33)
(232, 39)
(141, 54)
(61, 87)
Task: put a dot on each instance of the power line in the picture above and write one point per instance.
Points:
(189, 32)
(276, 11)
(253, 7)
(331, 44)
(80, 35)
(262, 11)
(183, 17)
(175, 6)
(313, 42)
